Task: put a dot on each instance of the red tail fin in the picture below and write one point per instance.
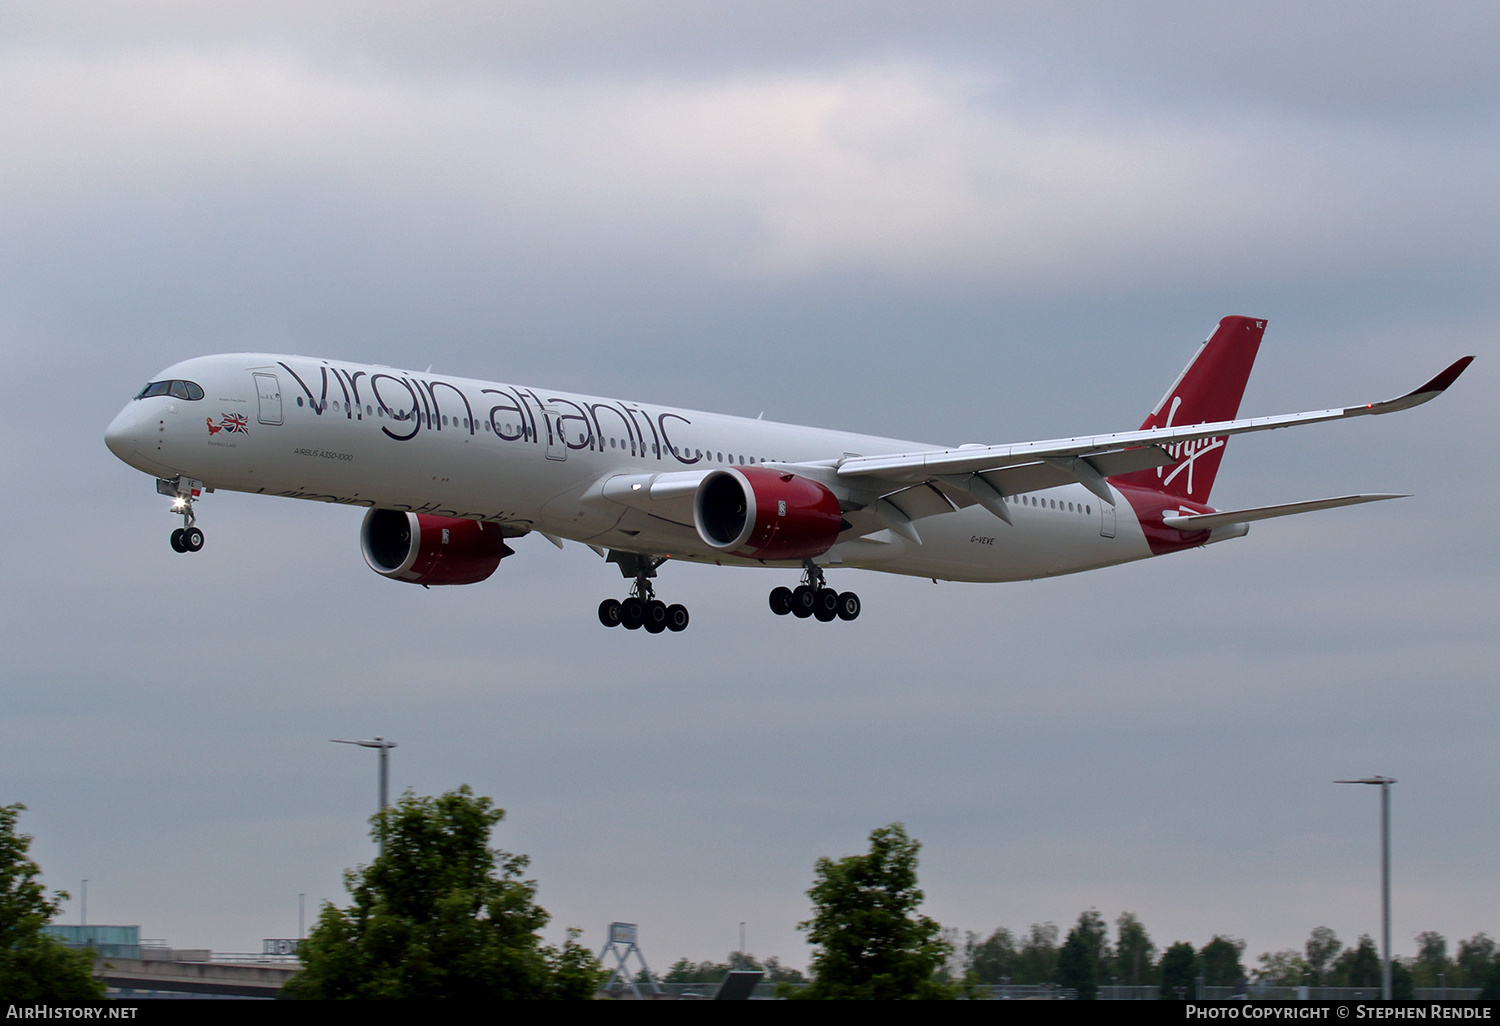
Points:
(1208, 390)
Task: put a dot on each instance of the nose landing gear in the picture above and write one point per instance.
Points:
(183, 490)
(814, 598)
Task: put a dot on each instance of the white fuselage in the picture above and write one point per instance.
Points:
(538, 459)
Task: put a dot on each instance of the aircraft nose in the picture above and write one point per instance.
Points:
(124, 434)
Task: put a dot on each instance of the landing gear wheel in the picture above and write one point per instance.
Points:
(781, 601)
(848, 606)
(177, 540)
(826, 604)
(677, 618)
(609, 612)
(192, 539)
(632, 613)
(804, 600)
(656, 616)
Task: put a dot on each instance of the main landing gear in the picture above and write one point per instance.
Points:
(642, 608)
(814, 598)
(188, 537)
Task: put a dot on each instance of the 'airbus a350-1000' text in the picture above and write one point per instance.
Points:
(450, 470)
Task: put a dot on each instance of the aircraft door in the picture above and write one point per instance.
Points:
(557, 449)
(1106, 520)
(268, 389)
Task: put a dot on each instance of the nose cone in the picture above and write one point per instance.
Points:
(132, 436)
(123, 434)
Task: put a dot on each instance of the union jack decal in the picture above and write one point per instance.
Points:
(231, 422)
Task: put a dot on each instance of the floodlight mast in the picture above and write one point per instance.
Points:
(1385, 877)
(385, 771)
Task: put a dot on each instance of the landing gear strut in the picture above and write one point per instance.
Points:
(814, 598)
(641, 608)
(188, 537)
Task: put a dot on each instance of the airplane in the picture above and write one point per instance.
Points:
(449, 470)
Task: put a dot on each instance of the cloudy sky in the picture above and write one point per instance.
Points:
(954, 221)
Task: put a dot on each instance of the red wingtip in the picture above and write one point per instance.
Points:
(1447, 377)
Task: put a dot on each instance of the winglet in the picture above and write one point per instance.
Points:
(1447, 377)
(1423, 393)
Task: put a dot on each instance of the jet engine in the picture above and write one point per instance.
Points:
(425, 549)
(766, 514)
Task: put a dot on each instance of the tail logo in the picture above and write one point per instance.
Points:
(1186, 453)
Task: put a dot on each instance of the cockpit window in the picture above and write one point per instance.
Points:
(177, 389)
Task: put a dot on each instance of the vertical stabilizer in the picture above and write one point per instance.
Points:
(1208, 390)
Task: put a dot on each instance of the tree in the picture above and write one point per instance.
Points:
(1075, 964)
(1432, 966)
(1490, 991)
(992, 959)
(1083, 963)
(1286, 968)
(872, 944)
(1036, 962)
(1403, 984)
(440, 914)
(1358, 966)
(1323, 946)
(1475, 957)
(1179, 972)
(1221, 962)
(684, 970)
(33, 966)
(1134, 951)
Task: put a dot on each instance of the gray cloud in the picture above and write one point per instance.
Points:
(964, 223)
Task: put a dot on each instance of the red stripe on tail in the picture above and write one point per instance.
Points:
(1208, 390)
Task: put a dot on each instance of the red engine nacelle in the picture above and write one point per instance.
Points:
(430, 550)
(766, 514)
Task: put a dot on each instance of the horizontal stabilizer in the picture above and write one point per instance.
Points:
(1207, 521)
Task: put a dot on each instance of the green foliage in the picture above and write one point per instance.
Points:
(1220, 958)
(1085, 956)
(1475, 957)
(1134, 952)
(686, 971)
(1432, 967)
(33, 966)
(872, 944)
(1322, 947)
(1286, 968)
(441, 915)
(1179, 972)
(1490, 991)
(992, 959)
(1037, 960)
(1075, 966)
(1358, 966)
(1403, 985)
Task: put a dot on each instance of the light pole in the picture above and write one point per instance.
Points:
(1385, 877)
(385, 771)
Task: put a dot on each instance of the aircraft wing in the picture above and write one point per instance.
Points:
(1091, 458)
